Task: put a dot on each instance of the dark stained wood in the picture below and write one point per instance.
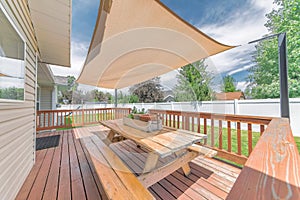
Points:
(37, 190)
(220, 135)
(209, 179)
(239, 139)
(249, 138)
(77, 188)
(52, 182)
(212, 132)
(238, 119)
(90, 185)
(239, 159)
(45, 118)
(273, 169)
(229, 136)
(205, 126)
(262, 129)
(225, 117)
(27, 186)
(64, 189)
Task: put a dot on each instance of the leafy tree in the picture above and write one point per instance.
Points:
(123, 98)
(264, 77)
(12, 93)
(148, 92)
(194, 83)
(101, 96)
(229, 84)
(66, 93)
(133, 99)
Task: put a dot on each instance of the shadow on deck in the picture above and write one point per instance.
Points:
(66, 172)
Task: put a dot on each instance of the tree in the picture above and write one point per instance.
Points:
(229, 84)
(193, 83)
(12, 93)
(148, 92)
(101, 96)
(65, 93)
(264, 77)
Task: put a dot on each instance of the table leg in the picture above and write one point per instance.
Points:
(151, 162)
(109, 139)
(186, 167)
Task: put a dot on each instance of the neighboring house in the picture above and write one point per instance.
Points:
(33, 34)
(168, 96)
(46, 88)
(230, 96)
(61, 83)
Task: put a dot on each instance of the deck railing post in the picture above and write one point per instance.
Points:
(283, 72)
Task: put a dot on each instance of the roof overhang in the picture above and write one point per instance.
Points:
(52, 25)
(45, 76)
(135, 40)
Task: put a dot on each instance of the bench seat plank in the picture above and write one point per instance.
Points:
(117, 180)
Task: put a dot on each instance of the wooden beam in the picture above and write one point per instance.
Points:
(273, 168)
(156, 175)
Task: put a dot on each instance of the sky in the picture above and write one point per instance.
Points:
(232, 22)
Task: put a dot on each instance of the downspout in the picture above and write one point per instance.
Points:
(35, 104)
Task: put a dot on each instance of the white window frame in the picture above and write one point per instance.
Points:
(25, 54)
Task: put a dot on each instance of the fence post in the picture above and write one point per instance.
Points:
(236, 110)
(82, 115)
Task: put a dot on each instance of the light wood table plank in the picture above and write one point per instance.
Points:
(159, 144)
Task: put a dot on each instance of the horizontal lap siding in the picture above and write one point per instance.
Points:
(17, 119)
(46, 98)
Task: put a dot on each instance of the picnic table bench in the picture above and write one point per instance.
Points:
(117, 179)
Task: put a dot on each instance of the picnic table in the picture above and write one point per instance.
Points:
(160, 144)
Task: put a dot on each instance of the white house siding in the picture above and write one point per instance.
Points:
(46, 98)
(17, 120)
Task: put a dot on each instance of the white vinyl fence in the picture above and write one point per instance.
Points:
(261, 107)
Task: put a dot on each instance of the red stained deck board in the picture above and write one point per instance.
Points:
(66, 172)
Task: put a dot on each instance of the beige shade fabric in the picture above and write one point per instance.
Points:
(52, 24)
(136, 40)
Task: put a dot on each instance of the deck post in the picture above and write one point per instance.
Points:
(116, 98)
(283, 73)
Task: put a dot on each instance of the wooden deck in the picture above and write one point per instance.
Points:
(66, 172)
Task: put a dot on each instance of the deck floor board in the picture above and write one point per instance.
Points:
(66, 172)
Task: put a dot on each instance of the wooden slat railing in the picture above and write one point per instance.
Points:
(231, 135)
(273, 169)
(53, 119)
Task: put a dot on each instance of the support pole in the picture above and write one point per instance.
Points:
(116, 98)
(283, 73)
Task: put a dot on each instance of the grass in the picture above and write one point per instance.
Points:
(297, 140)
(234, 146)
(234, 143)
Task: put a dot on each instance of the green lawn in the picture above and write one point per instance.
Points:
(234, 146)
(297, 140)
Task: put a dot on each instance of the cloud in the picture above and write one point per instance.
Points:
(78, 55)
(238, 29)
(246, 67)
(242, 85)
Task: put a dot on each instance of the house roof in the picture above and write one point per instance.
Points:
(230, 95)
(136, 40)
(61, 80)
(52, 25)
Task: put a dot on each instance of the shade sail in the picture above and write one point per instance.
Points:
(135, 40)
(52, 25)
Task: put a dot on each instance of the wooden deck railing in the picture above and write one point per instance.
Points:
(52, 119)
(273, 169)
(233, 136)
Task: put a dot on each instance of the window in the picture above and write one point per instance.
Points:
(12, 61)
